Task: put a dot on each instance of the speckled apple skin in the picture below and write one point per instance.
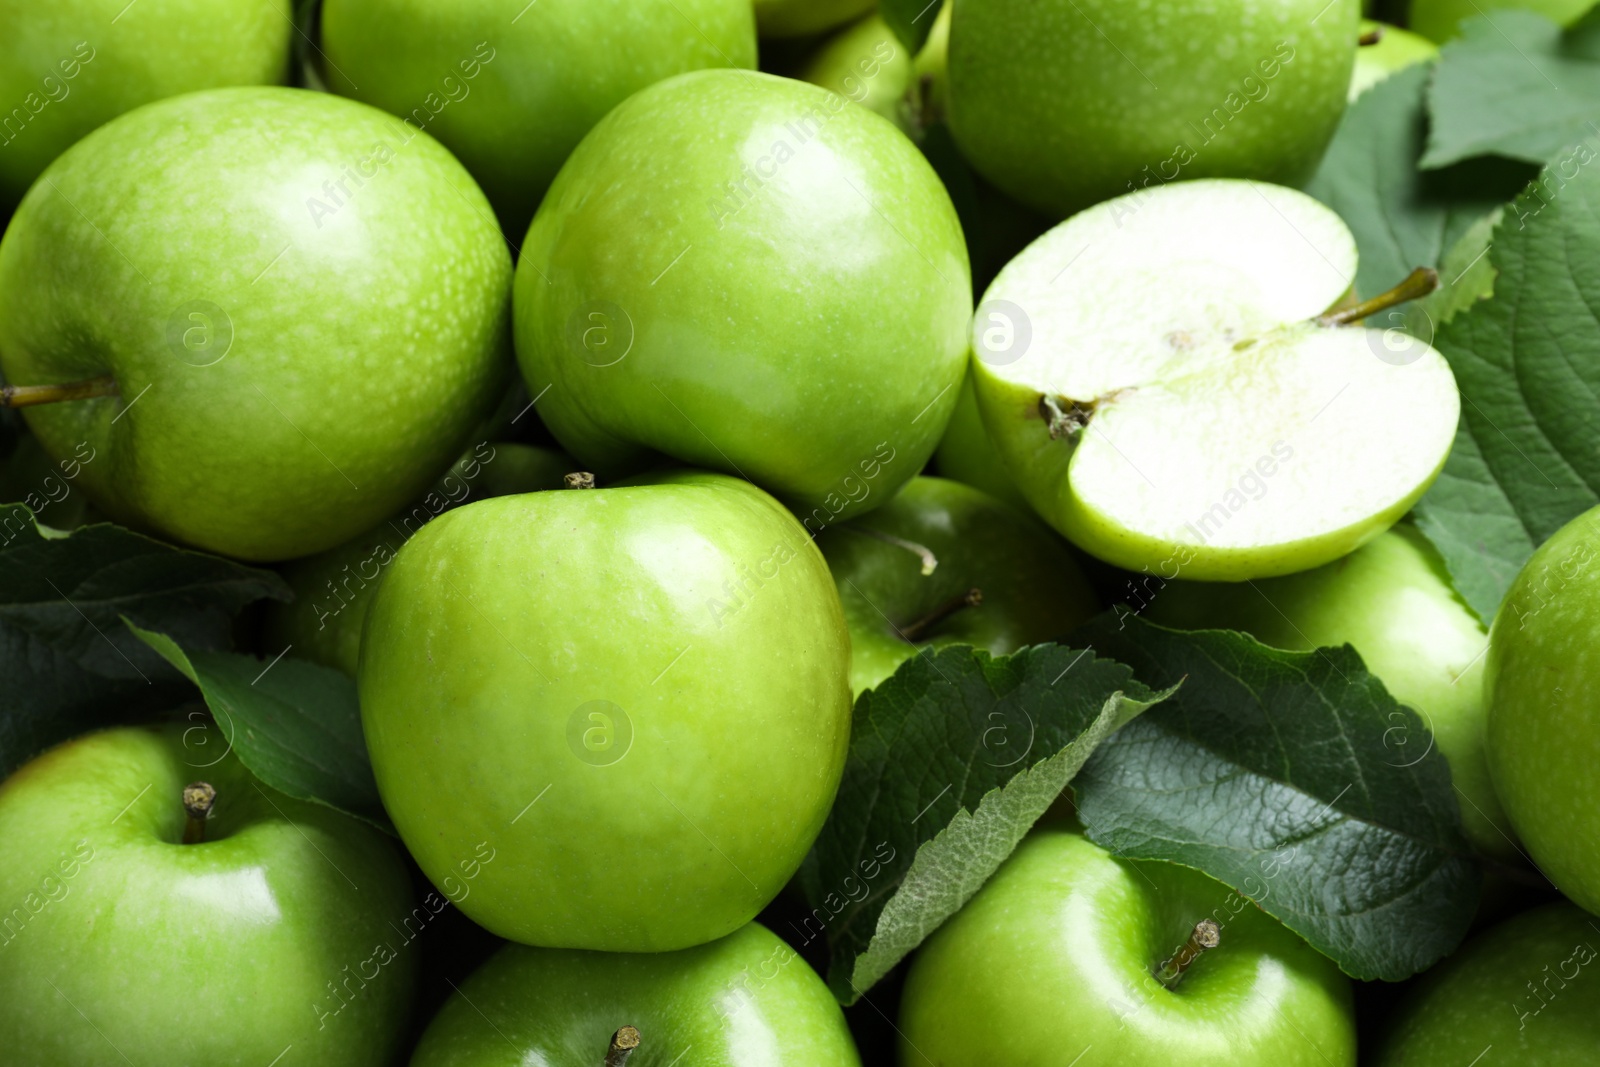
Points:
(805, 330)
(279, 939)
(1542, 681)
(1065, 103)
(742, 1001)
(1053, 964)
(1524, 994)
(512, 90)
(293, 364)
(638, 697)
(799, 18)
(68, 66)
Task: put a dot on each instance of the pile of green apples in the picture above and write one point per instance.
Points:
(624, 389)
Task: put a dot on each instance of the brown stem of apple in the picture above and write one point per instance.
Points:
(1207, 935)
(1419, 283)
(930, 562)
(914, 631)
(198, 799)
(1371, 37)
(26, 396)
(579, 480)
(623, 1042)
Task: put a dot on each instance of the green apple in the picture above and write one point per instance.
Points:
(1061, 958)
(1392, 601)
(1440, 20)
(907, 574)
(743, 1000)
(774, 285)
(638, 695)
(868, 64)
(1525, 993)
(274, 938)
(965, 453)
(1065, 103)
(511, 91)
(800, 18)
(1163, 379)
(68, 66)
(1542, 683)
(1392, 49)
(333, 589)
(287, 312)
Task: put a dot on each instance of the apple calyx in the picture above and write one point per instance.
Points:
(579, 480)
(1206, 935)
(198, 800)
(1066, 419)
(1371, 37)
(913, 632)
(623, 1042)
(26, 396)
(1419, 283)
(930, 562)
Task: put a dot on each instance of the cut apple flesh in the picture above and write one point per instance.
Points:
(1168, 402)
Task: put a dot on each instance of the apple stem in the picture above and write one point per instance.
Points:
(930, 562)
(970, 599)
(1207, 935)
(1065, 420)
(1371, 37)
(623, 1042)
(26, 396)
(198, 799)
(1419, 283)
(579, 480)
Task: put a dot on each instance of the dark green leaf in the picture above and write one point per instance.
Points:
(67, 664)
(294, 724)
(1515, 86)
(1402, 218)
(911, 20)
(1280, 775)
(1527, 456)
(952, 760)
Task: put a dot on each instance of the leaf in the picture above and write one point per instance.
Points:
(67, 664)
(1526, 459)
(1273, 772)
(296, 725)
(1515, 86)
(1402, 218)
(911, 20)
(1466, 275)
(952, 760)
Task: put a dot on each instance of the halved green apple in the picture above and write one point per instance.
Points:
(1165, 381)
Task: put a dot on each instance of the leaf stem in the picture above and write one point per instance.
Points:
(26, 396)
(1419, 283)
